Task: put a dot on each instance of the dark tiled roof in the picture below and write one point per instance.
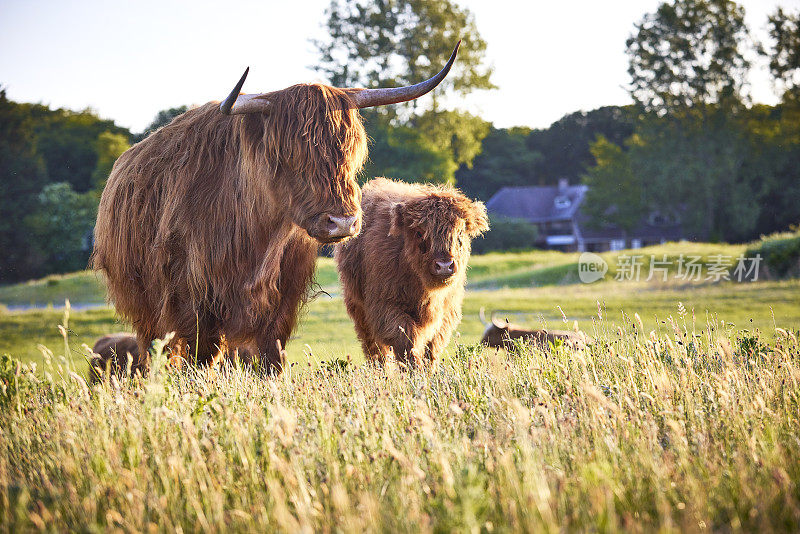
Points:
(537, 204)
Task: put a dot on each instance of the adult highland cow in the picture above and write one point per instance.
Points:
(404, 275)
(210, 226)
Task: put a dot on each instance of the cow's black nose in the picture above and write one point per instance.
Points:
(444, 268)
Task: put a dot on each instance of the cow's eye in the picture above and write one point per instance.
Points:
(423, 244)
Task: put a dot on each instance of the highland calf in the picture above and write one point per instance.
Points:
(404, 275)
(210, 226)
(502, 334)
(114, 353)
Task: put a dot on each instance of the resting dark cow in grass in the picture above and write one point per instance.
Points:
(404, 275)
(210, 226)
(502, 334)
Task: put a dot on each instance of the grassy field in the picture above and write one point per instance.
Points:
(534, 268)
(683, 416)
(668, 431)
(326, 332)
(531, 288)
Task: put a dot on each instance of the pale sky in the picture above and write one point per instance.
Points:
(128, 60)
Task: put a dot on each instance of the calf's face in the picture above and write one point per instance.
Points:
(436, 231)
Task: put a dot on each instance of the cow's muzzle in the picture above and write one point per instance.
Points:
(443, 268)
(332, 228)
(341, 227)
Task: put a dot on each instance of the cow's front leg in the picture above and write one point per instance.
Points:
(443, 333)
(435, 347)
(271, 356)
(271, 341)
(298, 260)
(397, 329)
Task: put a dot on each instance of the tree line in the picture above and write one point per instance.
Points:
(691, 147)
(53, 165)
(701, 152)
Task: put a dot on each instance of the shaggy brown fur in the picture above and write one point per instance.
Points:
(501, 334)
(211, 225)
(394, 288)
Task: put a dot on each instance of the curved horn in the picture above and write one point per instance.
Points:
(237, 104)
(497, 323)
(227, 104)
(366, 98)
(483, 317)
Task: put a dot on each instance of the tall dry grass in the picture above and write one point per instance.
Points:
(678, 430)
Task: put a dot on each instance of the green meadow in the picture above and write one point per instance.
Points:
(681, 416)
(533, 288)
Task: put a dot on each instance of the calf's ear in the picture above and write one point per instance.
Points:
(396, 219)
(477, 222)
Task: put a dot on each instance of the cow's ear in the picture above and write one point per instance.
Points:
(477, 222)
(396, 219)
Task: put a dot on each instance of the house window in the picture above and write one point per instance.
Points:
(616, 244)
(561, 202)
(636, 243)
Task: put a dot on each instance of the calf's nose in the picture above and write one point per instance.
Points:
(342, 226)
(444, 268)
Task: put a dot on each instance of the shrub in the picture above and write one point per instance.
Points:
(506, 234)
(780, 254)
(61, 227)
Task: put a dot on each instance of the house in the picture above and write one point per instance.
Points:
(556, 211)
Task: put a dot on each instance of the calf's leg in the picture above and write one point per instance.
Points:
(396, 329)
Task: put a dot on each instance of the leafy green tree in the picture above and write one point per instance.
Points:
(520, 156)
(689, 54)
(688, 68)
(616, 193)
(162, 118)
(402, 42)
(784, 52)
(694, 173)
(458, 133)
(564, 146)
(49, 163)
(505, 160)
(22, 175)
(61, 227)
(402, 152)
(773, 164)
(774, 133)
(67, 142)
(109, 146)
